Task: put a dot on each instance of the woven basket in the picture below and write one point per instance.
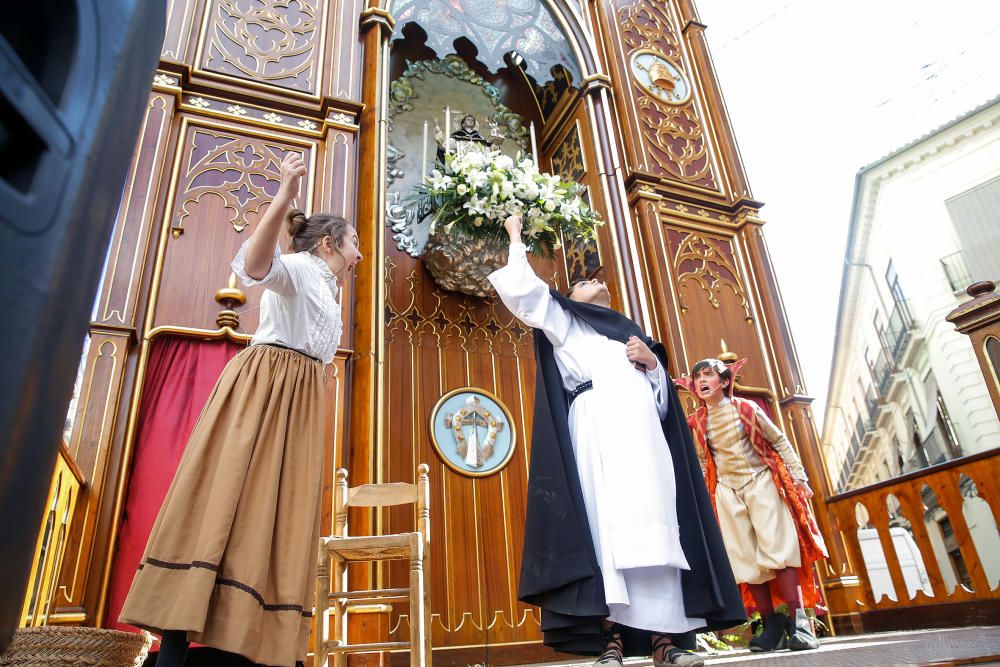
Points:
(90, 647)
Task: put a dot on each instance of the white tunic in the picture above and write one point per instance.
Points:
(300, 308)
(623, 461)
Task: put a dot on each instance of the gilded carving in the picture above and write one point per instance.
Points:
(241, 171)
(462, 264)
(270, 41)
(246, 113)
(705, 263)
(582, 259)
(675, 136)
(471, 325)
(162, 79)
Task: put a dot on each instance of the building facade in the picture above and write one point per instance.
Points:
(906, 391)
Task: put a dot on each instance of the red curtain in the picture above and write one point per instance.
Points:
(762, 401)
(180, 376)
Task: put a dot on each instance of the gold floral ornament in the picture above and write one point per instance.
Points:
(702, 262)
(271, 41)
(243, 174)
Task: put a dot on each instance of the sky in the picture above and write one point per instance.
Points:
(816, 90)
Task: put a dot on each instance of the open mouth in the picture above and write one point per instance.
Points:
(704, 389)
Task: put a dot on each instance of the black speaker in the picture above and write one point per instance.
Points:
(75, 76)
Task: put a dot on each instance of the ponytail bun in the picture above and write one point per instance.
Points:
(297, 222)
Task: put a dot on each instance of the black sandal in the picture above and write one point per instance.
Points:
(613, 648)
(672, 655)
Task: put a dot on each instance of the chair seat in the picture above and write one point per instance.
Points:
(375, 547)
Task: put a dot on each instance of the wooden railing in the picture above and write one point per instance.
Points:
(941, 520)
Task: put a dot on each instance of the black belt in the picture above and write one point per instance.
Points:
(285, 347)
(580, 388)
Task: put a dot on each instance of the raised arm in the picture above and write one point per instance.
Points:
(525, 294)
(260, 250)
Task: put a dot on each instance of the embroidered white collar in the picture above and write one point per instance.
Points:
(324, 270)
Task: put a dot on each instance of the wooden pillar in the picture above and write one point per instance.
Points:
(108, 374)
(694, 35)
(665, 323)
(839, 580)
(979, 319)
(364, 437)
(599, 96)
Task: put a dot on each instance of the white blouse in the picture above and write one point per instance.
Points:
(300, 307)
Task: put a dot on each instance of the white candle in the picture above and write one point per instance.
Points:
(534, 142)
(447, 130)
(423, 159)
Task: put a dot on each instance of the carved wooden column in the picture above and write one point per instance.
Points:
(99, 425)
(980, 320)
(599, 98)
(839, 580)
(364, 438)
(694, 35)
(664, 316)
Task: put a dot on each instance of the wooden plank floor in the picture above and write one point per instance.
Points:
(979, 645)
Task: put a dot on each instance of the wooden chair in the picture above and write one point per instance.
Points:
(340, 549)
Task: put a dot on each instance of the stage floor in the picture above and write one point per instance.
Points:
(979, 645)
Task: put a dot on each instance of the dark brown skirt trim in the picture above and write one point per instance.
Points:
(219, 581)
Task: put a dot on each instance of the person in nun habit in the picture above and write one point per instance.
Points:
(622, 551)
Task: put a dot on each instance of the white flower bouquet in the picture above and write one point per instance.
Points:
(479, 189)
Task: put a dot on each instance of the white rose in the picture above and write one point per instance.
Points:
(461, 189)
(503, 162)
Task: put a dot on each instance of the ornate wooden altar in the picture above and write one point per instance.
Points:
(633, 111)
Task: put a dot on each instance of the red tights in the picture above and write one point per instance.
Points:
(788, 586)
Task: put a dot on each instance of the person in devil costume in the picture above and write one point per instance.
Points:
(621, 551)
(761, 496)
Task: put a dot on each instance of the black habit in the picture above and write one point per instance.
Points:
(559, 568)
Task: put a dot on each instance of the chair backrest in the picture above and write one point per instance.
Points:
(383, 495)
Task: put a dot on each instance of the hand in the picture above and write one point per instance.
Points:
(292, 170)
(640, 355)
(804, 487)
(513, 226)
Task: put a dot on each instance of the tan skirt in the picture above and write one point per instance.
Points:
(232, 555)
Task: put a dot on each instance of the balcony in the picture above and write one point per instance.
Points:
(882, 371)
(897, 333)
(957, 272)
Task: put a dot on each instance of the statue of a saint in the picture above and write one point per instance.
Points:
(466, 137)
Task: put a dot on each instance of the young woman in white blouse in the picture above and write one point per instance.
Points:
(231, 560)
